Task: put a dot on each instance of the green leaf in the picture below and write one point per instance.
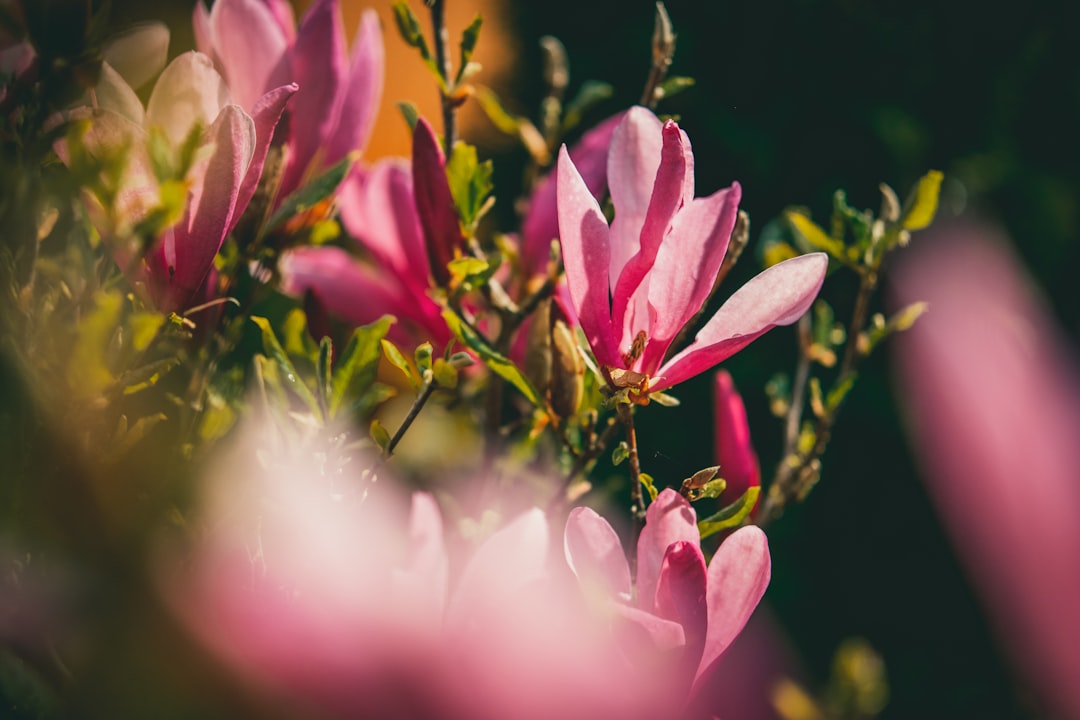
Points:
(380, 435)
(921, 205)
(496, 362)
(324, 374)
(411, 114)
(413, 35)
(422, 356)
(358, 365)
(298, 341)
(814, 235)
(674, 85)
(289, 377)
(144, 328)
(137, 432)
(620, 453)
(311, 194)
(838, 392)
(592, 93)
(468, 44)
(398, 360)
(496, 112)
(777, 251)
(87, 370)
(650, 486)
(470, 182)
(445, 373)
(146, 376)
(730, 516)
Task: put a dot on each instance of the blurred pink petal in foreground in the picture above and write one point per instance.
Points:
(336, 601)
(994, 411)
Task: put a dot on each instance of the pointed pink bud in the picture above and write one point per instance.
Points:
(434, 203)
(734, 452)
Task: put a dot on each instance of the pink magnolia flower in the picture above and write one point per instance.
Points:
(257, 46)
(636, 283)
(189, 94)
(677, 604)
(377, 209)
(342, 603)
(993, 396)
(734, 452)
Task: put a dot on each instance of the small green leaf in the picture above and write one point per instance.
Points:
(921, 205)
(146, 376)
(777, 251)
(358, 365)
(422, 356)
(324, 374)
(497, 114)
(674, 86)
(411, 114)
(445, 373)
(380, 435)
(838, 392)
(592, 93)
(409, 27)
(470, 182)
(814, 235)
(496, 362)
(620, 453)
(398, 360)
(664, 399)
(289, 376)
(137, 432)
(730, 516)
(87, 370)
(144, 328)
(650, 486)
(468, 44)
(311, 194)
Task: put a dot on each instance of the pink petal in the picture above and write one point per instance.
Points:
(377, 209)
(198, 237)
(734, 451)
(434, 202)
(319, 68)
(251, 47)
(595, 554)
(738, 576)
(632, 165)
(682, 277)
(359, 294)
(360, 103)
(203, 31)
(283, 14)
(584, 234)
(505, 564)
(541, 223)
(680, 596)
(112, 93)
(140, 53)
(643, 636)
(189, 92)
(422, 586)
(266, 114)
(631, 308)
(669, 520)
(777, 296)
(993, 399)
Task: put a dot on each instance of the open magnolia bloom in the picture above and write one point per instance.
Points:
(189, 101)
(678, 606)
(257, 46)
(637, 282)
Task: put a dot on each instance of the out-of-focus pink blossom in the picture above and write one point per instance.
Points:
(734, 451)
(188, 95)
(993, 400)
(659, 258)
(257, 47)
(377, 209)
(340, 603)
(678, 606)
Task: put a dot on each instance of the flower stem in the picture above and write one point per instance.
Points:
(442, 59)
(414, 411)
(637, 501)
(663, 50)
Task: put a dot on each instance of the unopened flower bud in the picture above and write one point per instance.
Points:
(734, 451)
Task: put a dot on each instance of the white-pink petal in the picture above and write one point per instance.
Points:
(595, 554)
(189, 92)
